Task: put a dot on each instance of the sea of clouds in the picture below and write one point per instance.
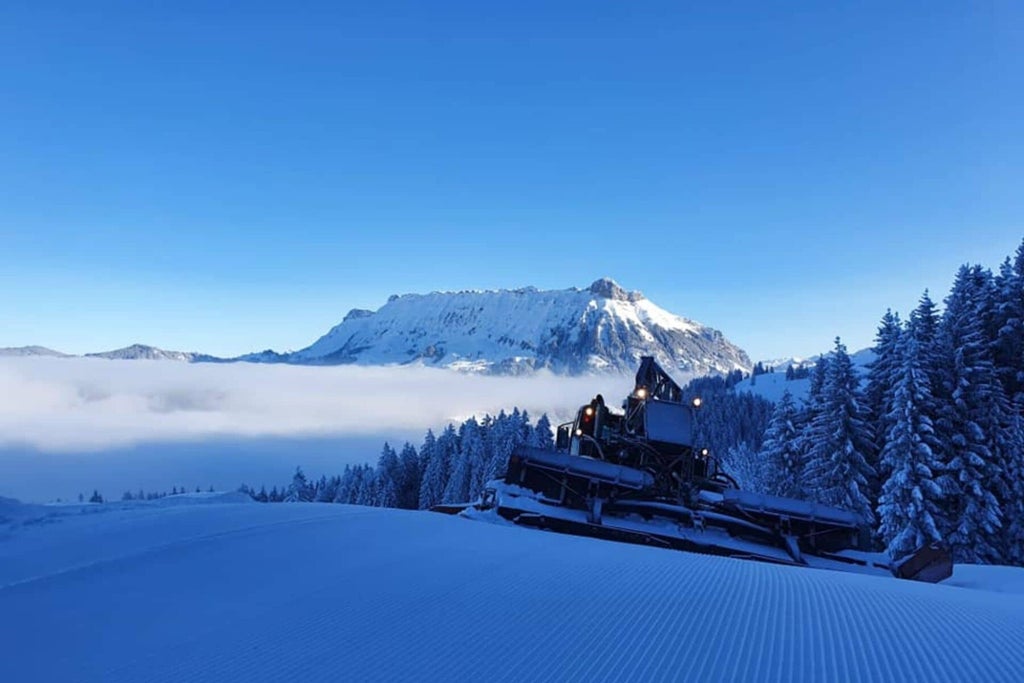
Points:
(68, 425)
(76, 404)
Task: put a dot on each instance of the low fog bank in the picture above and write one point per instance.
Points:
(80, 404)
(68, 425)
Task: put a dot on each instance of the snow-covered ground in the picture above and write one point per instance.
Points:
(231, 590)
(772, 385)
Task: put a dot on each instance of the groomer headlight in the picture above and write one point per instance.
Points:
(641, 393)
(697, 402)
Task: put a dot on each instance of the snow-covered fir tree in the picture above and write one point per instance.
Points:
(299, 491)
(976, 417)
(366, 493)
(542, 436)
(409, 490)
(878, 394)
(910, 502)
(470, 459)
(438, 454)
(327, 489)
(1013, 547)
(745, 465)
(780, 453)
(507, 433)
(387, 479)
(839, 441)
(1008, 347)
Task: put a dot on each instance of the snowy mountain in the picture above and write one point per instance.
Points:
(203, 588)
(24, 351)
(143, 352)
(570, 331)
(503, 332)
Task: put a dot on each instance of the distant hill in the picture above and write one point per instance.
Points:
(22, 351)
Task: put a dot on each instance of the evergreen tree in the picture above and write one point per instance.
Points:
(409, 494)
(1008, 348)
(882, 371)
(976, 418)
(388, 478)
(385, 493)
(96, 497)
(749, 470)
(1013, 549)
(910, 502)
(812, 407)
(839, 441)
(507, 433)
(345, 490)
(727, 418)
(439, 455)
(327, 489)
(470, 459)
(366, 493)
(542, 436)
(780, 453)
(971, 418)
(435, 477)
(300, 490)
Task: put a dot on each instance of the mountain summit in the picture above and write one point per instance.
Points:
(572, 331)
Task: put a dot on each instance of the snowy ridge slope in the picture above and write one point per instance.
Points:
(232, 593)
(570, 331)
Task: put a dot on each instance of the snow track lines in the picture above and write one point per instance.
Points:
(336, 593)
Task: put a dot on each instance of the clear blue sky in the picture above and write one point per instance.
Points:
(228, 176)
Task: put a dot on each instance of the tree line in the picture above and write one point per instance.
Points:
(450, 468)
(929, 447)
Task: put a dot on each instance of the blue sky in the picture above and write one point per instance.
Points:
(198, 177)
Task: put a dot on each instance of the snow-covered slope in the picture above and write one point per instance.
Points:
(316, 592)
(570, 331)
(772, 385)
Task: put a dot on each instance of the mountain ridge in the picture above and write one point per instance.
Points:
(601, 328)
